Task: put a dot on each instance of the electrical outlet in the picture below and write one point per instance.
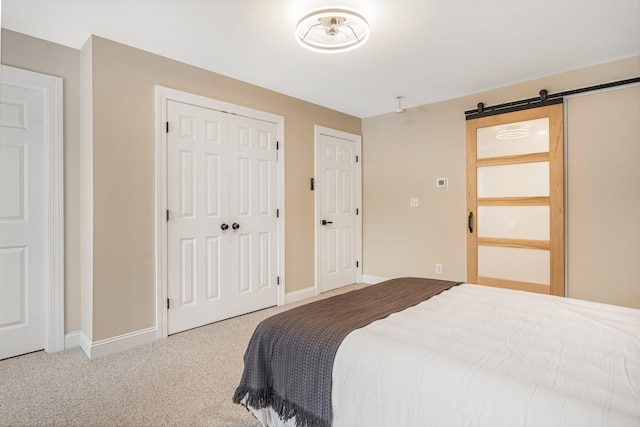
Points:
(413, 202)
(438, 268)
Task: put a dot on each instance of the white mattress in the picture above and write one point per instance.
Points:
(481, 356)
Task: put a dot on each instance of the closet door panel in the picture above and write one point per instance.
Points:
(197, 166)
(253, 198)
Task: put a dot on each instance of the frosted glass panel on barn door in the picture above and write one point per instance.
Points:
(515, 200)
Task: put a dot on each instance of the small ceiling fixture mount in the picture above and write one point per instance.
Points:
(400, 109)
(333, 29)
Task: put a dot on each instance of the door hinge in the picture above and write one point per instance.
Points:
(357, 264)
(277, 213)
(168, 303)
(278, 280)
(167, 127)
(167, 214)
(357, 211)
(277, 145)
(357, 159)
(312, 184)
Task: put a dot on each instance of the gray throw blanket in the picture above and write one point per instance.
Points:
(288, 364)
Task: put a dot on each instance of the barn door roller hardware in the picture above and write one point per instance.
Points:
(542, 100)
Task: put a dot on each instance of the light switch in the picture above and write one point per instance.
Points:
(413, 202)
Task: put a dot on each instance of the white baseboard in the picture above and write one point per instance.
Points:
(119, 343)
(300, 295)
(372, 280)
(72, 339)
(85, 344)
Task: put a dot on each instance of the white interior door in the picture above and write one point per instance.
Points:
(22, 220)
(337, 208)
(222, 230)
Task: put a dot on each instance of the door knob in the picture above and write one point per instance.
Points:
(224, 226)
(235, 226)
(325, 222)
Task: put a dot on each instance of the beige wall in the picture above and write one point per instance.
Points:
(124, 81)
(402, 157)
(121, 298)
(123, 160)
(403, 154)
(32, 54)
(603, 206)
(86, 189)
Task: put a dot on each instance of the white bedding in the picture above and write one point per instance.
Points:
(482, 356)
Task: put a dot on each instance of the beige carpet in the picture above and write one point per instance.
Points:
(186, 379)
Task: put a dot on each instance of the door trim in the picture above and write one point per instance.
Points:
(162, 96)
(51, 89)
(321, 130)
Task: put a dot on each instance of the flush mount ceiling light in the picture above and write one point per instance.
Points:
(332, 29)
(400, 109)
(513, 133)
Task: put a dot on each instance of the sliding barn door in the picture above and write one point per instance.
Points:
(515, 200)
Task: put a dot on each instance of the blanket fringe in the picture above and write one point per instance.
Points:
(263, 398)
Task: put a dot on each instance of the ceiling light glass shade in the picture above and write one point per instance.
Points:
(332, 30)
(512, 134)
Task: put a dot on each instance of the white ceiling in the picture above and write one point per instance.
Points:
(425, 50)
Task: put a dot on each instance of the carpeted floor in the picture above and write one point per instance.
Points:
(186, 379)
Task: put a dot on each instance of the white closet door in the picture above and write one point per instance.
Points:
(254, 224)
(197, 169)
(222, 230)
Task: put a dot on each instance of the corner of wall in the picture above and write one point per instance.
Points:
(116, 344)
(86, 192)
(368, 279)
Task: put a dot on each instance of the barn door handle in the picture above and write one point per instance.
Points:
(224, 227)
(325, 222)
(470, 222)
(235, 226)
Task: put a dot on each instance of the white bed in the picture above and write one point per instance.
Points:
(482, 356)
